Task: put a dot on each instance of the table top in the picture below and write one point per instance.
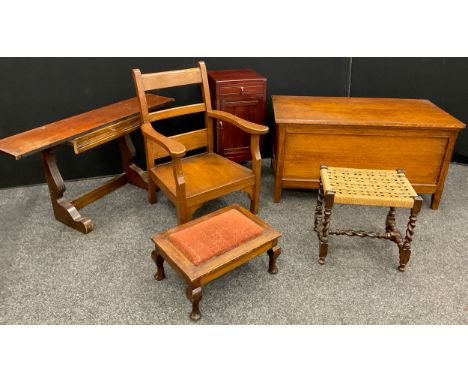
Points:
(355, 111)
(41, 138)
(235, 75)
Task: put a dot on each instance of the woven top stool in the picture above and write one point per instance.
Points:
(386, 188)
(208, 247)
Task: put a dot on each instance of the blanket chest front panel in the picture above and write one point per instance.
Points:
(301, 149)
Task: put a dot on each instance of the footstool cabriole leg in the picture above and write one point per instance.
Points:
(194, 294)
(329, 200)
(405, 249)
(319, 208)
(159, 260)
(273, 254)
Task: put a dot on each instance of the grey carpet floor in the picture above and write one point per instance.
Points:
(51, 274)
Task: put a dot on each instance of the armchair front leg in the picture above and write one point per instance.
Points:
(150, 157)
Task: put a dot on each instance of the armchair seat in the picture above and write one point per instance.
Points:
(203, 173)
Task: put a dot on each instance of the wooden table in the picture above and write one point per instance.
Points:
(374, 133)
(84, 132)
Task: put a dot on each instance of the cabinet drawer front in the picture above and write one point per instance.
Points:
(241, 89)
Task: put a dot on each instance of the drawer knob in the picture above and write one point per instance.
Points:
(242, 90)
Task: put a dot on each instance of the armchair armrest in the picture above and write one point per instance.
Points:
(248, 127)
(174, 148)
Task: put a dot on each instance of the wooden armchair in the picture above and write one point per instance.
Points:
(191, 181)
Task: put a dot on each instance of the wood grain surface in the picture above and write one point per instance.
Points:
(362, 112)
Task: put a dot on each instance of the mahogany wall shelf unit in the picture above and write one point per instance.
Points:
(241, 92)
(83, 132)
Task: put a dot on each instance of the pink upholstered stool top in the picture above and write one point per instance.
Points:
(215, 236)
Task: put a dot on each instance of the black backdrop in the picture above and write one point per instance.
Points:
(37, 91)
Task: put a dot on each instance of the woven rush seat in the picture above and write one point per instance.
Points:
(387, 188)
(208, 247)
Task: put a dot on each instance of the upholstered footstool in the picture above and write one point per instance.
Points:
(206, 248)
(387, 188)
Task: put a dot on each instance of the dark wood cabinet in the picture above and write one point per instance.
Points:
(241, 92)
